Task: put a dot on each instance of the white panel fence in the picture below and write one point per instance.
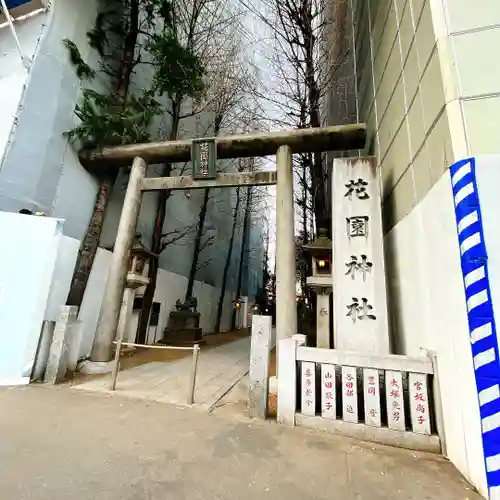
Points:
(389, 399)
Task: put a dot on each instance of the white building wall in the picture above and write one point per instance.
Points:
(429, 90)
(31, 171)
(13, 74)
(466, 39)
(170, 287)
(41, 170)
(427, 308)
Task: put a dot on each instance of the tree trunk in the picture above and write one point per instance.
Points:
(90, 242)
(201, 224)
(244, 240)
(314, 97)
(304, 208)
(222, 295)
(197, 243)
(161, 210)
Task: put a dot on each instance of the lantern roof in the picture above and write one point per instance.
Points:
(138, 249)
(320, 246)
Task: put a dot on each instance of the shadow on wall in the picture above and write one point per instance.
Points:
(393, 293)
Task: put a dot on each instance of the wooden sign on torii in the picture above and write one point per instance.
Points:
(282, 144)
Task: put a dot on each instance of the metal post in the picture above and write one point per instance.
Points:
(116, 365)
(26, 60)
(286, 308)
(192, 377)
(115, 285)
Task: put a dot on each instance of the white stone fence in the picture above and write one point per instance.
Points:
(58, 347)
(389, 399)
(263, 340)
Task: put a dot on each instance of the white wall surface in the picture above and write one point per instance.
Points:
(427, 305)
(40, 170)
(61, 280)
(169, 288)
(27, 261)
(13, 73)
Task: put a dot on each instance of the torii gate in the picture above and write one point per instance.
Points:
(282, 144)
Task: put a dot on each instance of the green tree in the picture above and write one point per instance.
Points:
(127, 34)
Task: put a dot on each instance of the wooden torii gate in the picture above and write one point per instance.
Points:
(282, 144)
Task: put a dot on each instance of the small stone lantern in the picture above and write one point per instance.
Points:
(321, 282)
(139, 258)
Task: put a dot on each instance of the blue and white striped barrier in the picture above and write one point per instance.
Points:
(477, 210)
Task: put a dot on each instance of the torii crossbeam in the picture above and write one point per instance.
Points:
(282, 144)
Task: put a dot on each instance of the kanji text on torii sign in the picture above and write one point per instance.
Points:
(204, 158)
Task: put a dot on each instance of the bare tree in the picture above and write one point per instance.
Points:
(229, 95)
(304, 70)
(201, 26)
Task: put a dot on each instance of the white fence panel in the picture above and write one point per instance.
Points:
(349, 395)
(328, 392)
(419, 405)
(371, 396)
(308, 384)
(395, 401)
(374, 396)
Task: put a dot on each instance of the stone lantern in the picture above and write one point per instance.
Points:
(320, 251)
(139, 260)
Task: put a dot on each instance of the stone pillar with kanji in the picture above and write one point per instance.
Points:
(359, 292)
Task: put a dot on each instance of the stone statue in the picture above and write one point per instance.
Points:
(191, 304)
(183, 325)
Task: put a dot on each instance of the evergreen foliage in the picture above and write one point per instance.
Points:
(83, 70)
(113, 118)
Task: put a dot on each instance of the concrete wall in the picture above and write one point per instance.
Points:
(41, 170)
(27, 263)
(425, 84)
(402, 99)
(466, 38)
(171, 286)
(428, 91)
(427, 309)
(13, 74)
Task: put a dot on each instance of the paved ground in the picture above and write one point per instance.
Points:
(62, 444)
(218, 370)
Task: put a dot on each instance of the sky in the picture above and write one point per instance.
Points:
(259, 39)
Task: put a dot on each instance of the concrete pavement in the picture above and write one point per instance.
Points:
(219, 369)
(62, 444)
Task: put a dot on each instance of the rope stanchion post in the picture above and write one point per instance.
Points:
(116, 364)
(192, 377)
(192, 374)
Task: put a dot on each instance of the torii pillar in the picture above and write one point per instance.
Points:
(117, 277)
(286, 277)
